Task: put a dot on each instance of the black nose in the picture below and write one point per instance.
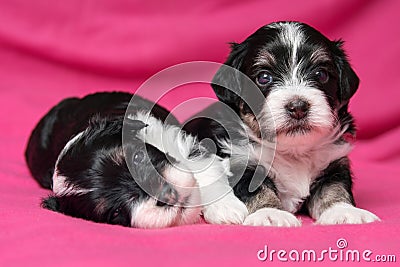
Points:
(167, 196)
(297, 109)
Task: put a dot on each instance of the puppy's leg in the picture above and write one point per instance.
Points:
(266, 210)
(220, 205)
(227, 209)
(331, 199)
(264, 206)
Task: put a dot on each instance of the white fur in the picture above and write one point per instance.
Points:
(68, 145)
(210, 171)
(272, 217)
(293, 36)
(60, 187)
(167, 138)
(203, 178)
(221, 206)
(293, 173)
(228, 210)
(148, 215)
(298, 158)
(207, 169)
(274, 116)
(292, 168)
(293, 160)
(172, 140)
(344, 213)
(319, 55)
(184, 183)
(179, 178)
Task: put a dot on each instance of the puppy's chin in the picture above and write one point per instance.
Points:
(301, 137)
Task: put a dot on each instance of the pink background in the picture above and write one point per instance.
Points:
(55, 49)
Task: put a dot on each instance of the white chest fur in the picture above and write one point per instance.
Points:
(293, 170)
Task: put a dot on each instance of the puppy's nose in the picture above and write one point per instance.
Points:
(297, 109)
(167, 196)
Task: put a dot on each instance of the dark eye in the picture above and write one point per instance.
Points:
(322, 76)
(115, 214)
(264, 79)
(138, 157)
(119, 216)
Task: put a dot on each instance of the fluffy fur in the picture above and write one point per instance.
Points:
(287, 142)
(151, 179)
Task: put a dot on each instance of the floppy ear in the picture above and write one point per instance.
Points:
(348, 79)
(230, 78)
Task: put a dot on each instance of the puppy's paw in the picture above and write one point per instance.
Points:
(343, 213)
(272, 217)
(228, 210)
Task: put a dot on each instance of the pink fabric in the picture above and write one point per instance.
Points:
(55, 49)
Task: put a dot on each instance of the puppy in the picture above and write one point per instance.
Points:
(283, 120)
(141, 171)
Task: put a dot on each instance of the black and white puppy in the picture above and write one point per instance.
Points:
(294, 140)
(157, 178)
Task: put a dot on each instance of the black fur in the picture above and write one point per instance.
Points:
(341, 86)
(70, 117)
(96, 164)
(336, 174)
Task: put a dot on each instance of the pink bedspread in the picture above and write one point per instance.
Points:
(55, 49)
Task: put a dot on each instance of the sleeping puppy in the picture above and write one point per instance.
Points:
(287, 129)
(141, 171)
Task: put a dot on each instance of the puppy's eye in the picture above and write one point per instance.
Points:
(264, 79)
(322, 76)
(115, 214)
(119, 216)
(138, 158)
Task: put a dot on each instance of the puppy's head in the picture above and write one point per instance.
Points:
(305, 80)
(135, 185)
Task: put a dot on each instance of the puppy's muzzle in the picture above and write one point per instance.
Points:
(178, 188)
(297, 108)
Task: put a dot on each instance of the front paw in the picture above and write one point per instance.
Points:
(344, 213)
(272, 217)
(228, 210)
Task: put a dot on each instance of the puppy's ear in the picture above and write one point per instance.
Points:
(51, 203)
(348, 79)
(226, 77)
(135, 125)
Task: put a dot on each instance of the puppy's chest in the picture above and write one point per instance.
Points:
(293, 178)
(294, 173)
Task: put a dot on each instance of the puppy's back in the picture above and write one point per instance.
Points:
(44, 145)
(71, 116)
(61, 123)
